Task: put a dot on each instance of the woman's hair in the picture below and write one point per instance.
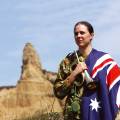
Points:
(87, 24)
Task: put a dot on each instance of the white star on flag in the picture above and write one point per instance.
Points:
(95, 104)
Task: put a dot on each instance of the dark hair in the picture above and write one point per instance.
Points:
(87, 24)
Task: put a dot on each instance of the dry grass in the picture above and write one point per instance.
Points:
(47, 116)
(28, 113)
(11, 111)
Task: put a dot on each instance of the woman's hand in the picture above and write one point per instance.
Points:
(80, 68)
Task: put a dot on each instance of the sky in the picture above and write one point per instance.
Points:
(48, 26)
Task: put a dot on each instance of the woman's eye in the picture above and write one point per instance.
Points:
(76, 33)
(82, 32)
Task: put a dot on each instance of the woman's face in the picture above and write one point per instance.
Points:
(82, 36)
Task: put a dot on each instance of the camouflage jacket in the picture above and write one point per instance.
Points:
(74, 92)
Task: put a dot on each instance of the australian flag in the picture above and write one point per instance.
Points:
(104, 102)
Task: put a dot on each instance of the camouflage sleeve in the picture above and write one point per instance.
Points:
(60, 87)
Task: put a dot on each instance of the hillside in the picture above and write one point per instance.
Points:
(33, 91)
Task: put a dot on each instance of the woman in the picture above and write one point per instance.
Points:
(98, 100)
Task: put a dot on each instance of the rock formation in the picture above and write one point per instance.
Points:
(33, 92)
(33, 88)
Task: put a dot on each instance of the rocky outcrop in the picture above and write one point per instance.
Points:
(33, 87)
(33, 92)
(31, 66)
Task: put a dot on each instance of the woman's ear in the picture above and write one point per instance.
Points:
(92, 35)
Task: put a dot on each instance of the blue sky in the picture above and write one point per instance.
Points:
(48, 25)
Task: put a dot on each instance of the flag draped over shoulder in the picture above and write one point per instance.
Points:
(105, 101)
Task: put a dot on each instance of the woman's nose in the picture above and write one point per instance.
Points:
(79, 35)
